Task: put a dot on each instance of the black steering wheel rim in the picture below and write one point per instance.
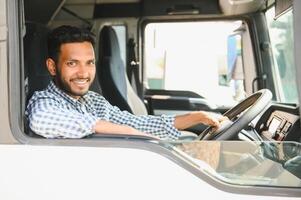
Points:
(255, 105)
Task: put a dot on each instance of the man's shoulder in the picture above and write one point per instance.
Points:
(42, 100)
(93, 94)
(44, 95)
(94, 97)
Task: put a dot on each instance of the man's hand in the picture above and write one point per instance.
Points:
(198, 117)
(213, 119)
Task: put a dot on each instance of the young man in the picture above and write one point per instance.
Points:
(67, 109)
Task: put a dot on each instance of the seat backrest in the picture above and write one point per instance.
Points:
(35, 54)
(35, 71)
(115, 85)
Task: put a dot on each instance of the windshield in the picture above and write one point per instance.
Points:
(203, 57)
(246, 163)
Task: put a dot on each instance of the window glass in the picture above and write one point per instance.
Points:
(281, 37)
(203, 57)
(245, 163)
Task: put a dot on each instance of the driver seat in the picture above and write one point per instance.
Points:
(114, 82)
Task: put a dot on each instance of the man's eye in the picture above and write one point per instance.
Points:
(71, 63)
(92, 62)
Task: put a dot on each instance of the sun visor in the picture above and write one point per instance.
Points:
(235, 7)
(281, 6)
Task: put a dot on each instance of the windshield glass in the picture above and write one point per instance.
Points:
(246, 163)
(203, 57)
(281, 37)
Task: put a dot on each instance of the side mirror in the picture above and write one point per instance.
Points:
(231, 73)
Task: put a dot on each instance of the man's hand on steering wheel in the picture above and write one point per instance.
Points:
(198, 117)
(239, 117)
(212, 119)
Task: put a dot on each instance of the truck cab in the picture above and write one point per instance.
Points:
(228, 57)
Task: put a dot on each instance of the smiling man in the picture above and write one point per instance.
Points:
(67, 109)
(76, 69)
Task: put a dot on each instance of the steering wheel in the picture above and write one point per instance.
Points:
(239, 116)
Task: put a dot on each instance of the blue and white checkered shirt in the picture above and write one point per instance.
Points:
(54, 114)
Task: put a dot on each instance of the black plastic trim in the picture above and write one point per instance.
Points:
(117, 10)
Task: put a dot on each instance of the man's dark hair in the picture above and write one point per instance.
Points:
(66, 34)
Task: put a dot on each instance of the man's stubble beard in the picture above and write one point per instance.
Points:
(66, 87)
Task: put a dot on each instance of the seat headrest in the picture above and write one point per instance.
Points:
(109, 42)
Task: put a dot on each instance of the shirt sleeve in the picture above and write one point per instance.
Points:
(49, 119)
(161, 126)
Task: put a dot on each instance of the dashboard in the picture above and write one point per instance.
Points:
(280, 123)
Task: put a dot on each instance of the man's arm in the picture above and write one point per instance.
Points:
(164, 127)
(159, 126)
(198, 117)
(51, 120)
(105, 127)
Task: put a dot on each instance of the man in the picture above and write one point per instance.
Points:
(67, 109)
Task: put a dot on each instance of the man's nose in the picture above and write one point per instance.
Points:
(82, 70)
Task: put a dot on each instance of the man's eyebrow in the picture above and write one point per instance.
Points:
(93, 60)
(72, 59)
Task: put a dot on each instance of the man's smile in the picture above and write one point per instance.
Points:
(80, 81)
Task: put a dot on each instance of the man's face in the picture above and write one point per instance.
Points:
(75, 68)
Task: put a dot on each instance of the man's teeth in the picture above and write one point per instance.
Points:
(81, 81)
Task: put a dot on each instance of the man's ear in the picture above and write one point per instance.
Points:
(51, 66)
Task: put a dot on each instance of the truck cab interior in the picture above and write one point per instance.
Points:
(158, 57)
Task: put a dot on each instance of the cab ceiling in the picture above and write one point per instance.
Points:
(47, 10)
(99, 1)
